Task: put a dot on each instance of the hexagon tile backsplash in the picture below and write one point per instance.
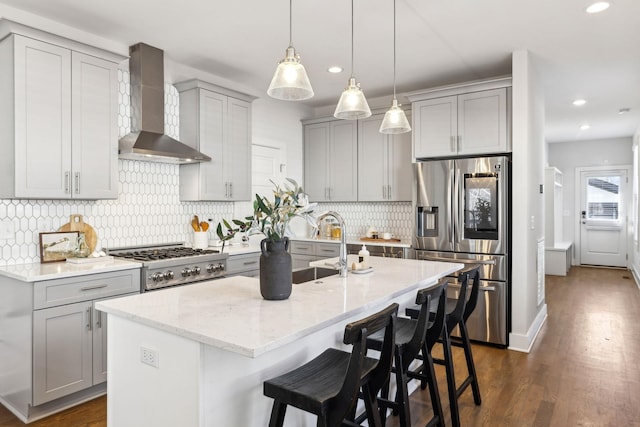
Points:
(148, 209)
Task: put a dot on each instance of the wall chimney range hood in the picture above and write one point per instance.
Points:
(147, 140)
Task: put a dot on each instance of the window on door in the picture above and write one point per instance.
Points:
(603, 198)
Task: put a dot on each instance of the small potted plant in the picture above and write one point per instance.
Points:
(271, 217)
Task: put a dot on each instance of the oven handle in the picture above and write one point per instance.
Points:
(463, 261)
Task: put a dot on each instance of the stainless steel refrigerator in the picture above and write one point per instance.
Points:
(461, 214)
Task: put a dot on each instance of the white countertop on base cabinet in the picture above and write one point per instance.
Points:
(58, 270)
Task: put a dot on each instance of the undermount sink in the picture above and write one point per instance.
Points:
(312, 273)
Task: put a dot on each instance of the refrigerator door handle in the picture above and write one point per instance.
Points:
(454, 205)
(461, 261)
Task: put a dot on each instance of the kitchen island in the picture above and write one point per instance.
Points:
(197, 355)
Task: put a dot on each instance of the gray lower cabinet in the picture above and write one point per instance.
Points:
(304, 251)
(247, 265)
(69, 339)
(62, 351)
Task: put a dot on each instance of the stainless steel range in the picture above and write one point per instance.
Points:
(173, 264)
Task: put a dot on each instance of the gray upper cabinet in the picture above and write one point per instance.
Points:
(476, 122)
(217, 122)
(59, 135)
(330, 161)
(384, 163)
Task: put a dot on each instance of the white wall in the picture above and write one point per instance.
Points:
(528, 313)
(635, 216)
(567, 156)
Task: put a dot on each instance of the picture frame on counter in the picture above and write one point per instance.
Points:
(58, 245)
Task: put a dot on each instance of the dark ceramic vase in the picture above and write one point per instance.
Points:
(275, 269)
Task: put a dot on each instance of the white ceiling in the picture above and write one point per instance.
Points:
(596, 57)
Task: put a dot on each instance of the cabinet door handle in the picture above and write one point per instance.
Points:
(388, 192)
(89, 321)
(90, 288)
(77, 176)
(230, 189)
(67, 182)
(98, 319)
(459, 144)
(452, 140)
(384, 191)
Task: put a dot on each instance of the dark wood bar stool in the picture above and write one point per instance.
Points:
(413, 335)
(328, 385)
(457, 314)
(473, 277)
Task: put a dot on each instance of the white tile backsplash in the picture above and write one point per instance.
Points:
(148, 209)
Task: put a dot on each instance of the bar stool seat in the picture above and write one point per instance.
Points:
(328, 385)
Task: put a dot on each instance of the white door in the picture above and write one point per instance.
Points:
(267, 167)
(603, 218)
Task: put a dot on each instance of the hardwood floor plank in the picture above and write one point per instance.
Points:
(583, 370)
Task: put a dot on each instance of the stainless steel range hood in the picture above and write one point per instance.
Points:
(147, 140)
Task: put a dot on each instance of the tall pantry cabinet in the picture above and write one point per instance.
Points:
(58, 102)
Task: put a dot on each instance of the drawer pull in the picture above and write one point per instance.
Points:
(328, 250)
(249, 262)
(90, 288)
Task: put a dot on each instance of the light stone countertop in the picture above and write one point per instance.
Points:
(58, 270)
(238, 249)
(357, 241)
(231, 314)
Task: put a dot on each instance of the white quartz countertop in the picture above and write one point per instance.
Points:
(58, 270)
(231, 314)
(238, 249)
(357, 241)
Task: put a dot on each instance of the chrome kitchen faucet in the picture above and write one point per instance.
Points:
(342, 261)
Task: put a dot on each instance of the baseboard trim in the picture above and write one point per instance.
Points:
(523, 343)
(636, 275)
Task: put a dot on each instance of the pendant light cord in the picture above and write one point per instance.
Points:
(352, 71)
(291, 23)
(394, 49)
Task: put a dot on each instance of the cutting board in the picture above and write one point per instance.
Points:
(76, 223)
(370, 239)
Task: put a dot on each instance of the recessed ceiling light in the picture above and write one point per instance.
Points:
(585, 127)
(624, 110)
(598, 7)
(579, 102)
(335, 69)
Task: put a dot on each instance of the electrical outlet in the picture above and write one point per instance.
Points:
(149, 357)
(7, 231)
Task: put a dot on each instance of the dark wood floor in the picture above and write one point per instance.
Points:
(584, 369)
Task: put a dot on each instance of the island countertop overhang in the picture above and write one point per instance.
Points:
(231, 314)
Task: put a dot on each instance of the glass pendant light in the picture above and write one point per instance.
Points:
(352, 104)
(395, 121)
(290, 81)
